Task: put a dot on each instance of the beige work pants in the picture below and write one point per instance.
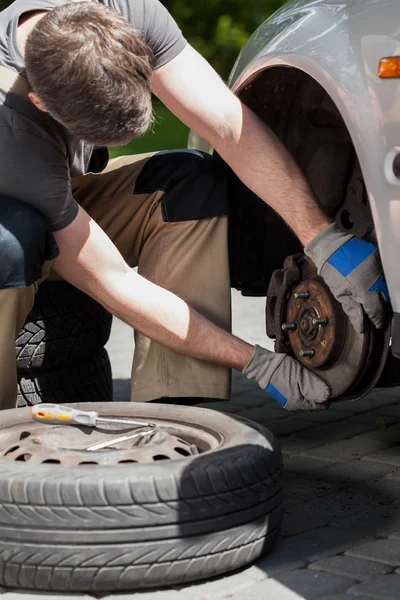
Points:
(189, 258)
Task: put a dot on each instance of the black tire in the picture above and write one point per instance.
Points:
(100, 528)
(64, 327)
(90, 380)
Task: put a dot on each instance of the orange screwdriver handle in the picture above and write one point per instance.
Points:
(58, 414)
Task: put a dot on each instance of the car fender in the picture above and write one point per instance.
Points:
(340, 45)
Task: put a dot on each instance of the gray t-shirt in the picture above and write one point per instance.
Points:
(34, 166)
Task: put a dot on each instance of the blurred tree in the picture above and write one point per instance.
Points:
(218, 29)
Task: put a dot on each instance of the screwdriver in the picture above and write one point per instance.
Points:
(58, 414)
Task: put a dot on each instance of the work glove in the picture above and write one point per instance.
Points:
(287, 381)
(352, 269)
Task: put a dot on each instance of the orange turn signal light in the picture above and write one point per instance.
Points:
(389, 67)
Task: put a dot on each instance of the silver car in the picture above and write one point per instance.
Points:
(324, 75)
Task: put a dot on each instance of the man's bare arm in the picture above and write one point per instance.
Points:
(193, 91)
(90, 261)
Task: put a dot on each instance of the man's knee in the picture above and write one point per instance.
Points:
(196, 185)
(25, 244)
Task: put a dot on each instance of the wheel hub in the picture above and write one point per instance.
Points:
(317, 338)
(308, 323)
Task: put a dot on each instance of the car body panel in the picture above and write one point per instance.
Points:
(340, 44)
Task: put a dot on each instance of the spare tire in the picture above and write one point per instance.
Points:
(66, 525)
(90, 380)
(64, 327)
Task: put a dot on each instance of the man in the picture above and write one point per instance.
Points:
(91, 67)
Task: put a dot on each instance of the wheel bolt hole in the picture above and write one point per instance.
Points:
(52, 461)
(182, 451)
(24, 457)
(24, 435)
(88, 462)
(13, 449)
(160, 457)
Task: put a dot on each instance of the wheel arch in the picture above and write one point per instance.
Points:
(309, 122)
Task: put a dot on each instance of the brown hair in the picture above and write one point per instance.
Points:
(91, 70)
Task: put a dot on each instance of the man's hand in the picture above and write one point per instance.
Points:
(352, 269)
(287, 381)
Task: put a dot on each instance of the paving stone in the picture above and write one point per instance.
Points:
(316, 544)
(341, 509)
(268, 590)
(299, 490)
(381, 422)
(390, 526)
(390, 455)
(223, 586)
(377, 400)
(388, 487)
(376, 520)
(304, 464)
(312, 585)
(334, 431)
(322, 416)
(391, 411)
(346, 596)
(354, 471)
(386, 587)
(381, 551)
(293, 445)
(346, 450)
(279, 561)
(251, 389)
(249, 400)
(297, 521)
(262, 414)
(354, 568)
(121, 390)
(390, 435)
(287, 426)
(395, 535)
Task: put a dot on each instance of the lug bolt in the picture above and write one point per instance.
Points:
(289, 326)
(321, 321)
(305, 353)
(302, 295)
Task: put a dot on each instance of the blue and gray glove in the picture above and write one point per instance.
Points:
(352, 269)
(287, 381)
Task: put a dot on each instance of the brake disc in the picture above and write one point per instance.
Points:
(309, 324)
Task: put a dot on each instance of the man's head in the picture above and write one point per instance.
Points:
(91, 71)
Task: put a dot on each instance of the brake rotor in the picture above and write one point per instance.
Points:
(314, 329)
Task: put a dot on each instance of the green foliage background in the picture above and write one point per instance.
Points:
(217, 29)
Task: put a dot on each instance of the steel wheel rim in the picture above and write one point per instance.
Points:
(65, 445)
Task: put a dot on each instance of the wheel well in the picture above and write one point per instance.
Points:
(305, 118)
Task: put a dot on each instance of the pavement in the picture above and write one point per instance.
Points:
(341, 527)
